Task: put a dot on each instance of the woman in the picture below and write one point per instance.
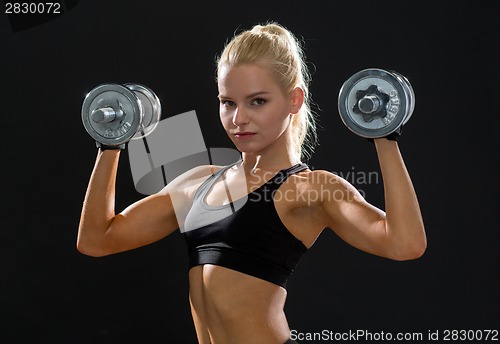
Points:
(248, 224)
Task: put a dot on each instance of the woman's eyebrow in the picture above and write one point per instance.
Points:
(257, 94)
(254, 94)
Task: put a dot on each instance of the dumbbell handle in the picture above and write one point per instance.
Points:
(104, 115)
(369, 104)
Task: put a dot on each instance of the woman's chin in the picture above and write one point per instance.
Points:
(245, 147)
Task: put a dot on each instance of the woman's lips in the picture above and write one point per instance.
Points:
(244, 135)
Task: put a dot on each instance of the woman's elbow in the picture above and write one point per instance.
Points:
(412, 251)
(89, 249)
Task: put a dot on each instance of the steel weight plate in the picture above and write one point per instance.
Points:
(380, 87)
(123, 102)
(151, 109)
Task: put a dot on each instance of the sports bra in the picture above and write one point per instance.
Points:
(246, 235)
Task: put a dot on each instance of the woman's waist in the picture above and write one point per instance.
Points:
(220, 292)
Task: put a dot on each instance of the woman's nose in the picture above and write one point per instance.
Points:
(240, 117)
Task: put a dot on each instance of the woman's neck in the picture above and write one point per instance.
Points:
(279, 155)
(274, 158)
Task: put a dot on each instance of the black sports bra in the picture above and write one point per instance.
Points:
(246, 235)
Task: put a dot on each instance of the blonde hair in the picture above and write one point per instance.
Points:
(273, 44)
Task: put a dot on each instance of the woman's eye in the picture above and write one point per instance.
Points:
(227, 102)
(258, 101)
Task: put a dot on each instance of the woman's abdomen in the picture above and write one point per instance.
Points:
(237, 308)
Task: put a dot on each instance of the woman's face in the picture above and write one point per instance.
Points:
(254, 110)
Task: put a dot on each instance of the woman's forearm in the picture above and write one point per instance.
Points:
(404, 224)
(99, 205)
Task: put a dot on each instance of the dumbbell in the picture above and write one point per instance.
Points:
(375, 103)
(114, 114)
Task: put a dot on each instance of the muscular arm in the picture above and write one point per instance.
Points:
(397, 233)
(102, 232)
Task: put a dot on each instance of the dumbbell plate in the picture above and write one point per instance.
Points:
(409, 90)
(121, 100)
(151, 109)
(397, 107)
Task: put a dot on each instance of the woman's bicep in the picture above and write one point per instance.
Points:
(144, 222)
(356, 221)
(149, 219)
(155, 216)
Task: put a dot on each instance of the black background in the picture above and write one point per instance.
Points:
(49, 293)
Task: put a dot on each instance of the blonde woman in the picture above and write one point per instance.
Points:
(248, 224)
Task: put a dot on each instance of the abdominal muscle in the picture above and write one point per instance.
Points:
(230, 307)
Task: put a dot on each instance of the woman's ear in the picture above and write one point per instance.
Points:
(297, 96)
